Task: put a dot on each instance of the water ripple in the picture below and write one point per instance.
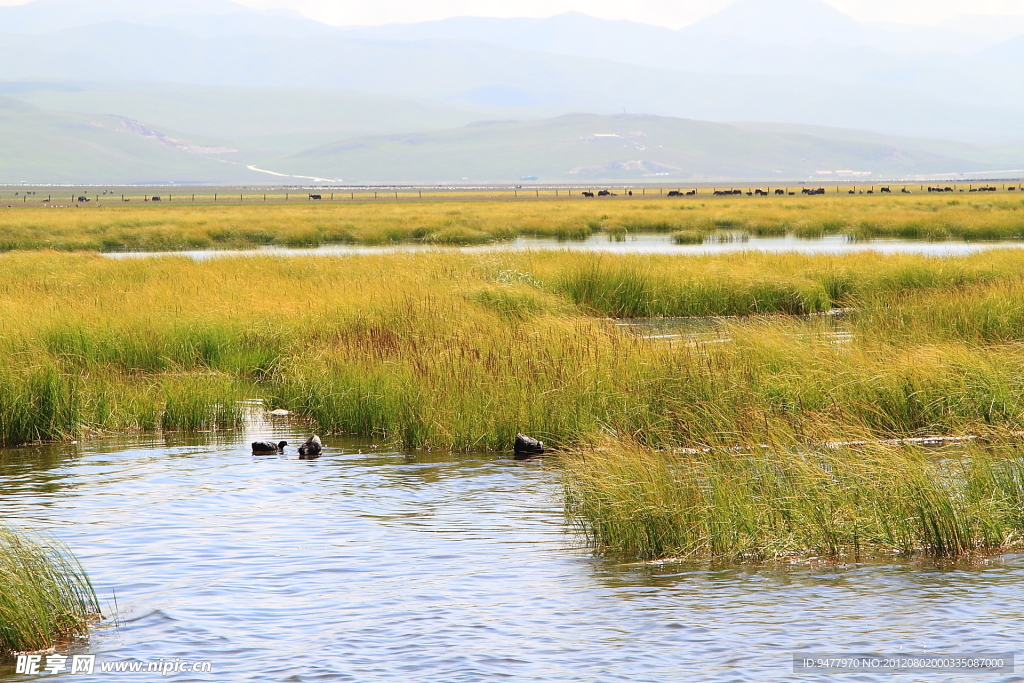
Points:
(368, 565)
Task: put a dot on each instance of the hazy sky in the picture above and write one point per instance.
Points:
(672, 13)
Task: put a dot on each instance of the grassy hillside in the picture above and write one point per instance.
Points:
(41, 146)
(140, 134)
(278, 120)
(584, 147)
(1006, 155)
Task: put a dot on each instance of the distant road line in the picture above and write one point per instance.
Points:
(288, 175)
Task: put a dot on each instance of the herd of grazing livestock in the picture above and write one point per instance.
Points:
(757, 192)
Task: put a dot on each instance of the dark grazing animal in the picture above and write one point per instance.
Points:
(588, 194)
(675, 193)
(315, 196)
(311, 447)
(268, 447)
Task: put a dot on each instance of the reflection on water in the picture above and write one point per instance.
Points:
(630, 244)
(374, 565)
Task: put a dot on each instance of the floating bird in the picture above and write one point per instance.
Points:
(312, 446)
(268, 447)
(526, 446)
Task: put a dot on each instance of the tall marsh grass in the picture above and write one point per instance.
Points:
(46, 597)
(463, 351)
(773, 502)
(38, 404)
(175, 227)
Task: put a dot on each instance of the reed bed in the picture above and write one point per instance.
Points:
(776, 502)
(462, 351)
(173, 227)
(46, 597)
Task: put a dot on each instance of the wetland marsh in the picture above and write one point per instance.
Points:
(113, 226)
(715, 408)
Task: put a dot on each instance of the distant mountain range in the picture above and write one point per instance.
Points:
(281, 88)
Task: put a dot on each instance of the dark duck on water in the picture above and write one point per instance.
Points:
(312, 446)
(268, 447)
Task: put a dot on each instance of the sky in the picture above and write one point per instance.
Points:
(671, 13)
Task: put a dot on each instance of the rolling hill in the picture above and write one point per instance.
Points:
(586, 147)
(41, 146)
(44, 145)
(260, 120)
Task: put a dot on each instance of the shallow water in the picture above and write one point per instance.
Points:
(834, 325)
(372, 565)
(631, 244)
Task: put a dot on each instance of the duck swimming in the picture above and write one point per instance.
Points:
(312, 446)
(268, 447)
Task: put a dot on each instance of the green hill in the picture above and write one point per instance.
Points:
(42, 146)
(274, 120)
(49, 146)
(585, 147)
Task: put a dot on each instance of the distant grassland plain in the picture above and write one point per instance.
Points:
(114, 226)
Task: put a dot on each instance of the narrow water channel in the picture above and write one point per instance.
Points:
(373, 565)
(835, 325)
(624, 244)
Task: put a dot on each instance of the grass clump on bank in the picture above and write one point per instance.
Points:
(46, 597)
(769, 503)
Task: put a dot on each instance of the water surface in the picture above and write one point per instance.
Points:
(373, 565)
(630, 244)
(836, 325)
